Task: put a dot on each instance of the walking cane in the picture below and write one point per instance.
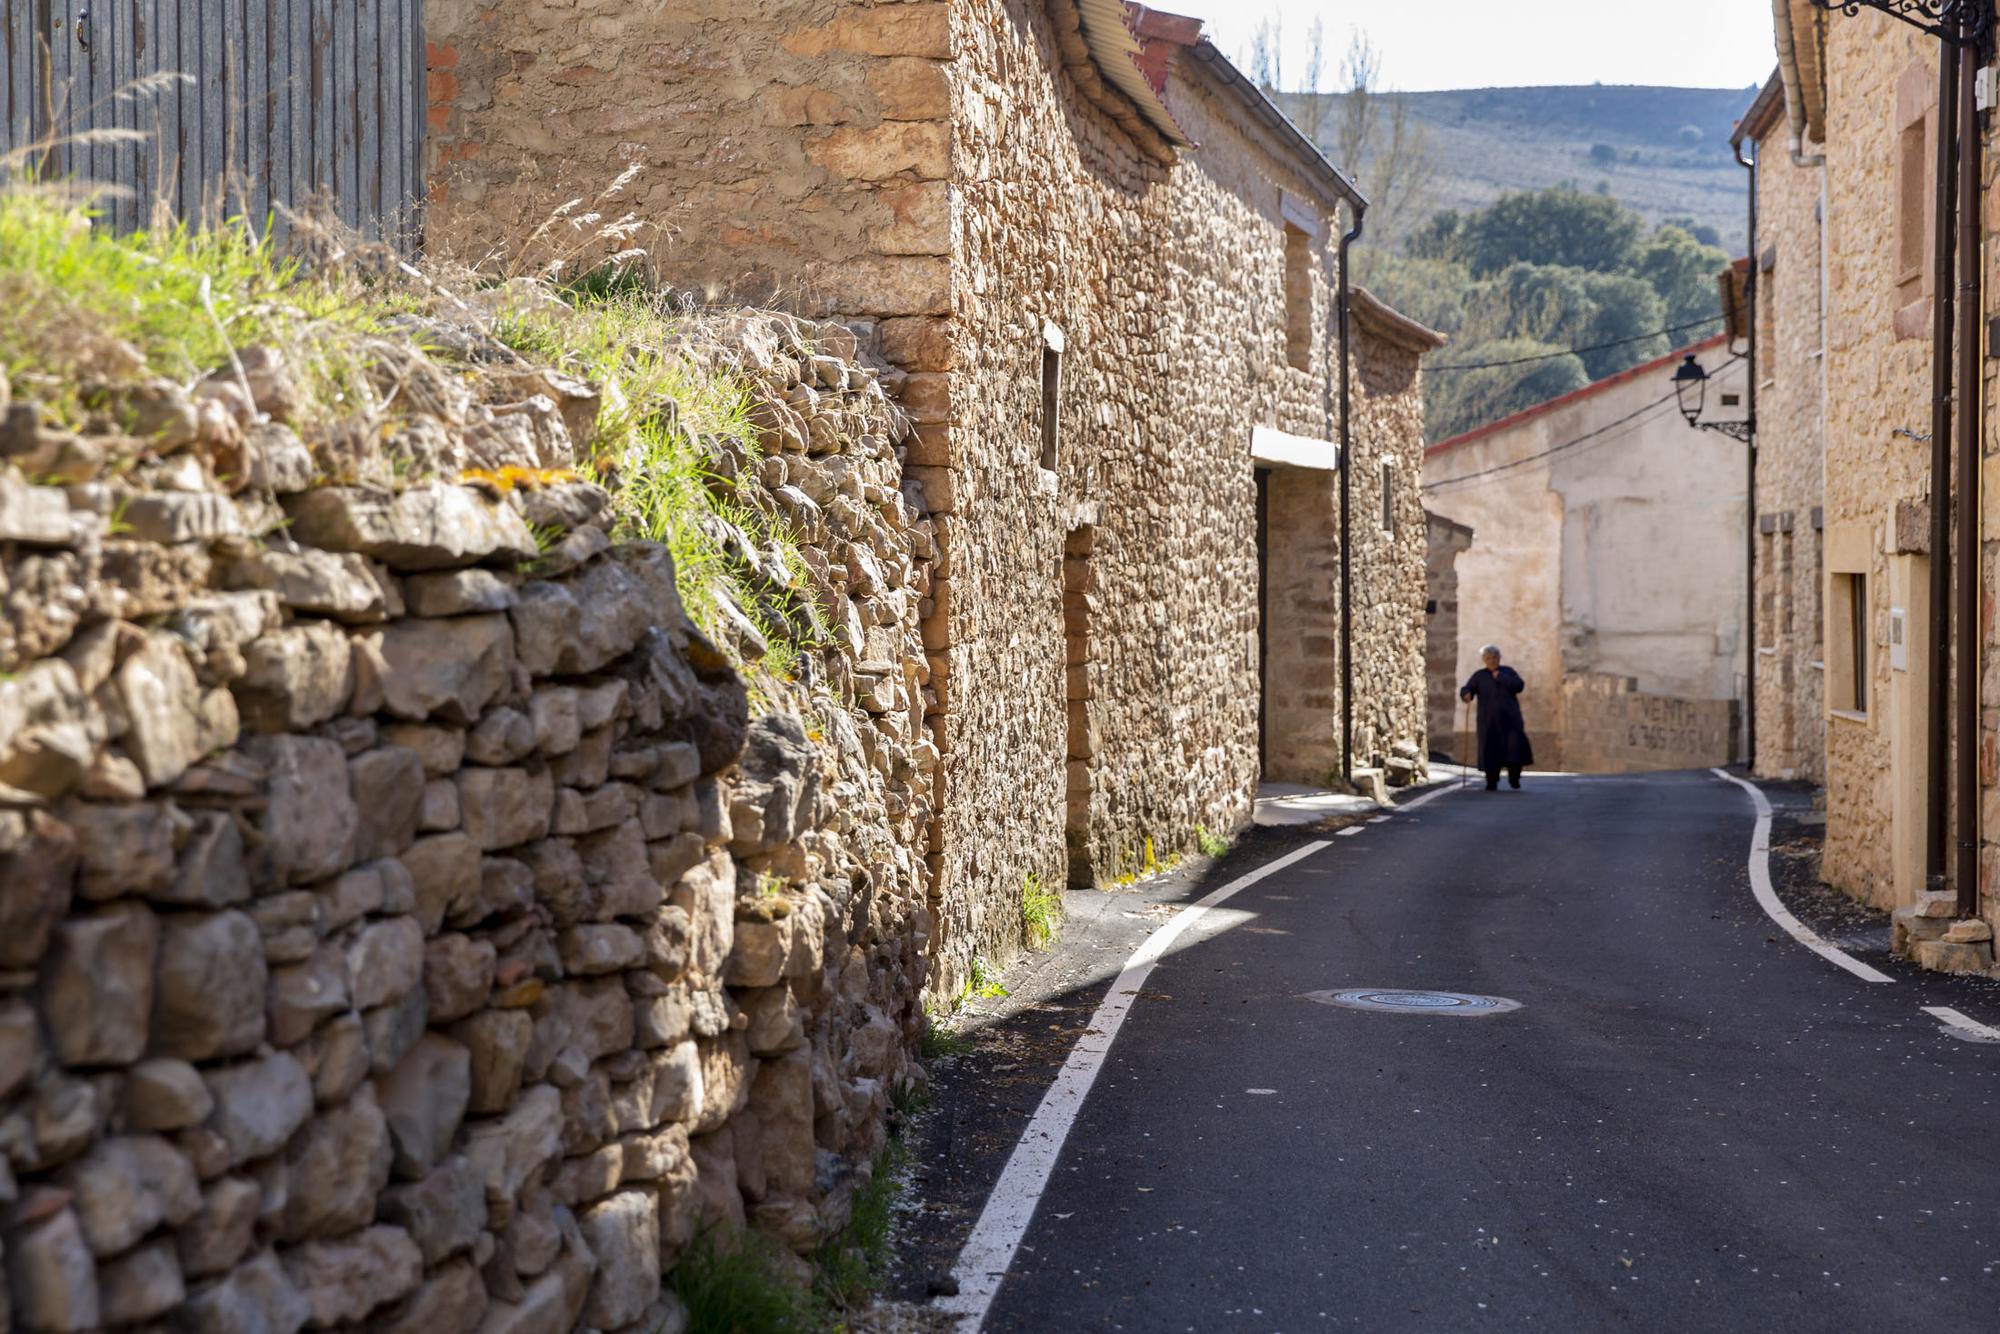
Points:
(1464, 741)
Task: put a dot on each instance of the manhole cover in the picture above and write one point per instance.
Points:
(1414, 1002)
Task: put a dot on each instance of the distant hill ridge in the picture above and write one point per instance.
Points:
(1664, 152)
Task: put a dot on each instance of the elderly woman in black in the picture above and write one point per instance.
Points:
(1503, 740)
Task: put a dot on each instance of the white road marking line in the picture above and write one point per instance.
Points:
(1767, 898)
(1964, 1024)
(1350, 831)
(1380, 819)
(997, 1235)
(1429, 797)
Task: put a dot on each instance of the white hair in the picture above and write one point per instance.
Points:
(1494, 649)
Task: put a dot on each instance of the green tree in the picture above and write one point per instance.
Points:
(1682, 271)
(1561, 225)
(1612, 320)
(1700, 231)
(1441, 236)
(1624, 327)
(1430, 291)
(1464, 400)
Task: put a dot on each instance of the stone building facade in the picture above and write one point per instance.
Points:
(1101, 261)
(1608, 565)
(1789, 313)
(1445, 540)
(1858, 103)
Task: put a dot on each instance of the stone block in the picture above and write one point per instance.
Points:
(623, 1233)
(448, 669)
(388, 788)
(343, 1280)
(310, 818)
(126, 1186)
(295, 678)
(97, 986)
(497, 1044)
(452, 1300)
(503, 808)
(423, 1099)
(1941, 956)
(259, 1104)
(429, 527)
(336, 1167)
(208, 992)
(340, 585)
(220, 1234)
(256, 1296)
(140, 1285)
(53, 1276)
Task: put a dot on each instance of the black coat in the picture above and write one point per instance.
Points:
(1503, 739)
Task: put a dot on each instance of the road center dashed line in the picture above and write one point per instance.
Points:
(1767, 897)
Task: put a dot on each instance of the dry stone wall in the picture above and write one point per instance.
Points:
(409, 921)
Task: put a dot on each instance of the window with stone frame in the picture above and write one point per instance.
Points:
(1915, 179)
(1052, 359)
(1847, 634)
(1298, 297)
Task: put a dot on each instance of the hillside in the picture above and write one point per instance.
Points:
(1664, 152)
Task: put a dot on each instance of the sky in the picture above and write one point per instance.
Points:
(1481, 43)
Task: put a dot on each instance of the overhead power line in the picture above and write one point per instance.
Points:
(1566, 445)
(1572, 352)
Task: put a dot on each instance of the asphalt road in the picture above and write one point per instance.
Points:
(1691, 1123)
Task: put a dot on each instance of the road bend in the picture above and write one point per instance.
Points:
(1691, 1122)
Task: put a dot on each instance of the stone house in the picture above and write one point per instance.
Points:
(1846, 141)
(1444, 542)
(1107, 269)
(1789, 316)
(1608, 566)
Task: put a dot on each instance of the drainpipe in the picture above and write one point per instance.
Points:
(1788, 75)
(1937, 829)
(1971, 388)
(1346, 479)
(1751, 285)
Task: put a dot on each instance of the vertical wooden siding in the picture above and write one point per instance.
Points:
(288, 103)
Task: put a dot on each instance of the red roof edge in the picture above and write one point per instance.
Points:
(1576, 395)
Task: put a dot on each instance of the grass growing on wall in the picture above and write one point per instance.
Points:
(79, 300)
(664, 423)
(182, 299)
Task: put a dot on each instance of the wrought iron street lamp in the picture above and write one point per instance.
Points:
(1960, 22)
(1691, 389)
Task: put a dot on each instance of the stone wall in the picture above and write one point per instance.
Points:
(1610, 727)
(1391, 716)
(1167, 285)
(1791, 403)
(790, 152)
(1880, 365)
(959, 186)
(409, 921)
(1444, 541)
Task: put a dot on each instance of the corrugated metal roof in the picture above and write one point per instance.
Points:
(1107, 28)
